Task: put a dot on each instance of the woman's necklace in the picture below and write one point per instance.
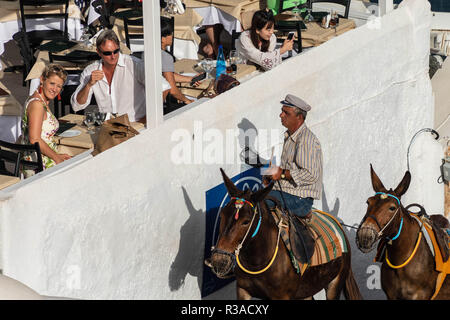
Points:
(43, 101)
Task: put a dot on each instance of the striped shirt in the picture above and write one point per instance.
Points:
(302, 156)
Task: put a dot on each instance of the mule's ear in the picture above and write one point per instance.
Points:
(261, 194)
(376, 182)
(403, 185)
(231, 188)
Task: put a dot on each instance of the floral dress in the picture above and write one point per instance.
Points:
(49, 127)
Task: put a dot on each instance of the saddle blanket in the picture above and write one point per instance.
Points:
(329, 239)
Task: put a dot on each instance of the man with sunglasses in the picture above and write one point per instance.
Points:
(117, 81)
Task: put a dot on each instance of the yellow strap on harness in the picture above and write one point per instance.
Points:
(270, 263)
(407, 260)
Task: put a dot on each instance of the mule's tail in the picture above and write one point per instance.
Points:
(351, 289)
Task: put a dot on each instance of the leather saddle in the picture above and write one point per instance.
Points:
(300, 237)
(302, 241)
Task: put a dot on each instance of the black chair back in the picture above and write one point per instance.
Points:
(103, 10)
(345, 3)
(21, 39)
(138, 32)
(291, 25)
(13, 153)
(37, 36)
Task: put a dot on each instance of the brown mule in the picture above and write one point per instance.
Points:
(408, 266)
(264, 267)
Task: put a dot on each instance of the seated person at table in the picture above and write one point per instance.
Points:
(117, 81)
(38, 122)
(257, 45)
(167, 64)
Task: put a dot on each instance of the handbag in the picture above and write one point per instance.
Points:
(224, 83)
(113, 132)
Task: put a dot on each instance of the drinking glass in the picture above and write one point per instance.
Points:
(89, 121)
(234, 60)
(296, 10)
(85, 37)
(207, 65)
(100, 118)
(309, 17)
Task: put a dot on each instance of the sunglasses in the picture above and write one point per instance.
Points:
(108, 53)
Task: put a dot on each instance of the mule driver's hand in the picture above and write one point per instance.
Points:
(274, 172)
(96, 75)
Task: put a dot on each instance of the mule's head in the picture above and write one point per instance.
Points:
(235, 221)
(382, 216)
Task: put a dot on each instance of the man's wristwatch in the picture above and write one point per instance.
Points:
(283, 174)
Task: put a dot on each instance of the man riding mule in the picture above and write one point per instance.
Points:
(413, 249)
(298, 179)
(249, 247)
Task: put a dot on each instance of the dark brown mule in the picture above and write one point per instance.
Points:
(383, 220)
(279, 280)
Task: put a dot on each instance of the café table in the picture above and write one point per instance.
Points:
(229, 13)
(6, 181)
(315, 34)
(85, 141)
(190, 67)
(10, 115)
(10, 22)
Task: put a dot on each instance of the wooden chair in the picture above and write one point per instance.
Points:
(345, 3)
(21, 39)
(287, 26)
(12, 153)
(138, 29)
(35, 37)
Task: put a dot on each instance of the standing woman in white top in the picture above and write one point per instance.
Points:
(38, 122)
(258, 44)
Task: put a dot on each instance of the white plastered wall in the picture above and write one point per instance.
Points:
(129, 223)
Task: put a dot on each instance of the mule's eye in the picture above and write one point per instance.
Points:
(392, 208)
(245, 222)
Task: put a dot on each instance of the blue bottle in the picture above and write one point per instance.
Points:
(221, 65)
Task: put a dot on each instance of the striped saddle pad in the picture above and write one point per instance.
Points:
(329, 239)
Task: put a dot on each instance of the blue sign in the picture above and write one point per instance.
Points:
(216, 199)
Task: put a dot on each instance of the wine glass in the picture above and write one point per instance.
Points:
(296, 10)
(85, 37)
(234, 60)
(89, 121)
(309, 17)
(100, 118)
(207, 65)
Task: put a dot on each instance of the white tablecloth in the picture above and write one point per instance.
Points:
(212, 15)
(11, 129)
(9, 28)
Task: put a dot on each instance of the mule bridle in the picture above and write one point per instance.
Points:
(239, 203)
(384, 195)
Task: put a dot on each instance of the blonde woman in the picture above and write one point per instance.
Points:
(38, 122)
